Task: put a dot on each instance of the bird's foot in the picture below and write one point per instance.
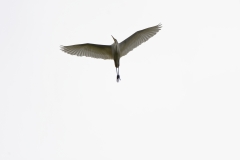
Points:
(118, 78)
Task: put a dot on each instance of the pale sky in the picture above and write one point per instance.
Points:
(179, 94)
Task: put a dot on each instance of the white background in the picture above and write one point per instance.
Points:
(179, 96)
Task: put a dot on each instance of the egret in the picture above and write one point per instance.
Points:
(114, 51)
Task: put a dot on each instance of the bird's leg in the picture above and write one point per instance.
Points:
(118, 76)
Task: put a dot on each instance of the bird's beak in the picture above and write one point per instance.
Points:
(113, 38)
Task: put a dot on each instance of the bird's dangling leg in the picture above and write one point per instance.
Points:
(118, 76)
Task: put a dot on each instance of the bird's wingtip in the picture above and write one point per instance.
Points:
(159, 26)
(61, 47)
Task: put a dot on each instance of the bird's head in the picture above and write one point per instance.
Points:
(115, 41)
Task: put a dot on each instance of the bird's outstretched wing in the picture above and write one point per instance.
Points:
(138, 38)
(89, 50)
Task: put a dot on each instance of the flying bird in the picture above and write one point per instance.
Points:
(114, 51)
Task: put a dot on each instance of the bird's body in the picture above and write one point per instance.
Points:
(114, 51)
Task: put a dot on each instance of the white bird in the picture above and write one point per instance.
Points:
(114, 51)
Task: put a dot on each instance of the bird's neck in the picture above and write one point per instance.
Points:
(115, 50)
(115, 46)
(115, 43)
